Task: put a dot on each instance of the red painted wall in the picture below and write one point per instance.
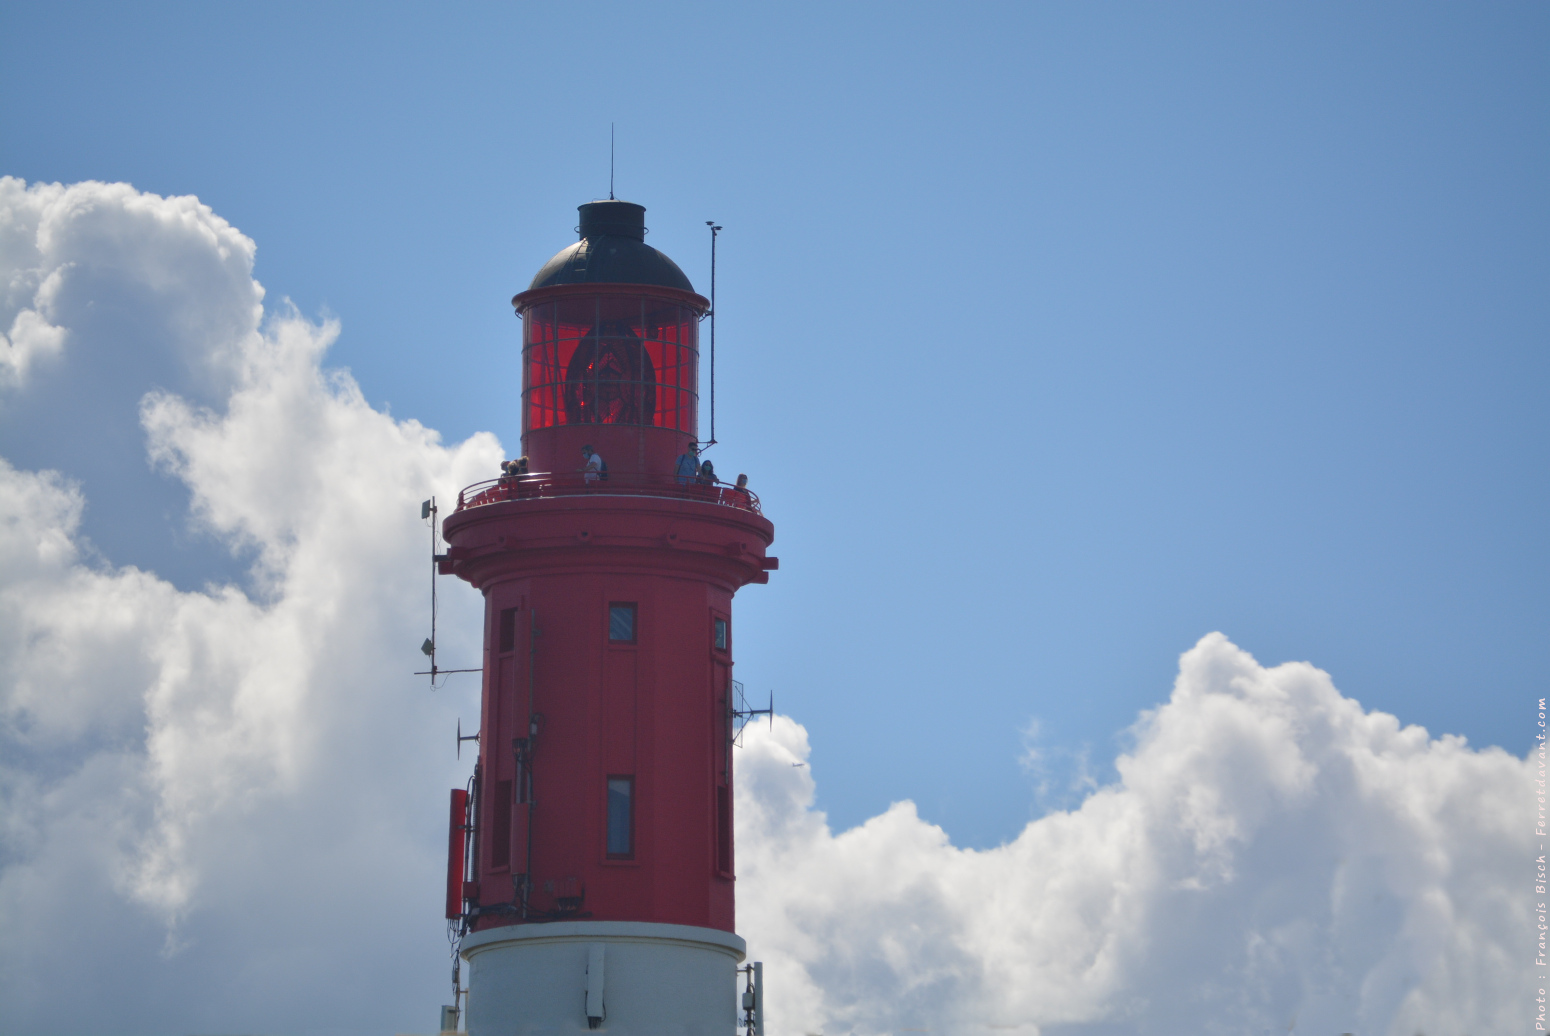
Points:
(654, 710)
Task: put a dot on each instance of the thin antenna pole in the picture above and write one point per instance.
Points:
(610, 161)
(714, 230)
(428, 509)
(428, 513)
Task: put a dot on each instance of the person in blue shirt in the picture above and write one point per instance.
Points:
(688, 465)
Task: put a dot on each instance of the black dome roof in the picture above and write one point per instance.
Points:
(612, 250)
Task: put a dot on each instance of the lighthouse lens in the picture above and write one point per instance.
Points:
(610, 379)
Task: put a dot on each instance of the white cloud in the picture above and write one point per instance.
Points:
(220, 810)
(108, 251)
(1271, 855)
(251, 773)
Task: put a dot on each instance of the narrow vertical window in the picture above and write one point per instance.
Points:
(500, 826)
(621, 623)
(721, 634)
(621, 817)
(724, 829)
(508, 639)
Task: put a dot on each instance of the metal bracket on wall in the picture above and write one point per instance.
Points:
(461, 737)
(753, 999)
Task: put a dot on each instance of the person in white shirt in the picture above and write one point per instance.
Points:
(593, 465)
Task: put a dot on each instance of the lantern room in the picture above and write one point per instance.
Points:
(610, 349)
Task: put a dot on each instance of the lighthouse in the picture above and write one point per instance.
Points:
(591, 859)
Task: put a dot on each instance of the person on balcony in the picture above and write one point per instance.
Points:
(705, 482)
(518, 474)
(513, 472)
(593, 465)
(740, 496)
(688, 465)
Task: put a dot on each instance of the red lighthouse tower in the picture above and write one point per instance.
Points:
(592, 872)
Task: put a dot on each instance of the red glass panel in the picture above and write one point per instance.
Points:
(610, 359)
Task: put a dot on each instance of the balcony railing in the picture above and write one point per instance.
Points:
(543, 486)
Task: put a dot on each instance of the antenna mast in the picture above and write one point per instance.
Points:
(610, 161)
(428, 514)
(714, 230)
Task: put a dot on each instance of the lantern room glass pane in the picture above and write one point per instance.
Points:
(610, 359)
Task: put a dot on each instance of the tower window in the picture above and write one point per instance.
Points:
(621, 623)
(500, 826)
(721, 634)
(621, 817)
(724, 829)
(508, 641)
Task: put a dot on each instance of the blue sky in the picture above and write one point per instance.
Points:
(1054, 338)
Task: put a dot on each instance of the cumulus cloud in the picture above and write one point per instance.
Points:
(220, 807)
(230, 777)
(106, 294)
(1273, 858)
(73, 258)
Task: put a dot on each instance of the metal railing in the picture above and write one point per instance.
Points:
(546, 485)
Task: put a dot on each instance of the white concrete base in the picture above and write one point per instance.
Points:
(622, 977)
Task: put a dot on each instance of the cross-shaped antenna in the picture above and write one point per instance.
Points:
(741, 713)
